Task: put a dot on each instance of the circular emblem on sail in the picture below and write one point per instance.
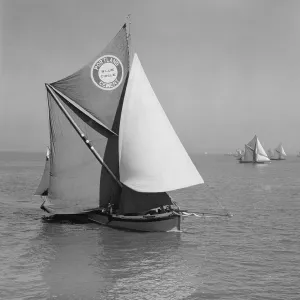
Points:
(107, 72)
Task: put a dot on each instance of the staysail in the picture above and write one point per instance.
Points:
(152, 158)
(91, 96)
(42, 189)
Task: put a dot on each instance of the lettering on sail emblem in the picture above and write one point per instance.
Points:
(107, 72)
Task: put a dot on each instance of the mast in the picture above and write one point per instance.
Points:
(254, 152)
(128, 23)
(81, 134)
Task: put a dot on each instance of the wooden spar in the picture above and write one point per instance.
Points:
(83, 110)
(128, 22)
(82, 135)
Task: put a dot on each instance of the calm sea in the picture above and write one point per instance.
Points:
(253, 255)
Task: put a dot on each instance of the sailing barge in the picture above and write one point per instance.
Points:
(114, 155)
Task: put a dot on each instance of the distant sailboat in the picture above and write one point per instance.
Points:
(278, 153)
(113, 153)
(270, 153)
(254, 153)
(239, 154)
(229, 154)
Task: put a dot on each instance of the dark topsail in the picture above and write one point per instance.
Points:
(101, 101)
(97, 89)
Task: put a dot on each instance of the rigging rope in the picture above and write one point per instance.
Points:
(218, 200)
(201, 215)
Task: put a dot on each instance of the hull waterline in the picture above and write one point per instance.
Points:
(152, 223)
(253, 162)
(277, 159)
(147, 223)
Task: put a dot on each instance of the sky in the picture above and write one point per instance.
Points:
(223, 70)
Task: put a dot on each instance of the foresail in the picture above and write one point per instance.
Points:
(152, 158)
(261, 158)
(98, 86)
(42, 189)
(259, 149)
(261, 155)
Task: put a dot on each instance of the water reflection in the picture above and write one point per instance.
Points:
(97, 262)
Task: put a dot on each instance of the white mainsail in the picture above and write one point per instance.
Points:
(279, 152)
(152, 158)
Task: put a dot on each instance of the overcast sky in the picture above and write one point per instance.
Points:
(222, 70)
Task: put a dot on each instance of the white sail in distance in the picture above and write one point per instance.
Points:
(270, 153)
(261, 155)
(279, 152)
(152, 158)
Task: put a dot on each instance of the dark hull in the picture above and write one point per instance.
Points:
(253, 162)
(152, 223)
(76, 217)
(147, 223)
(277, 158)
